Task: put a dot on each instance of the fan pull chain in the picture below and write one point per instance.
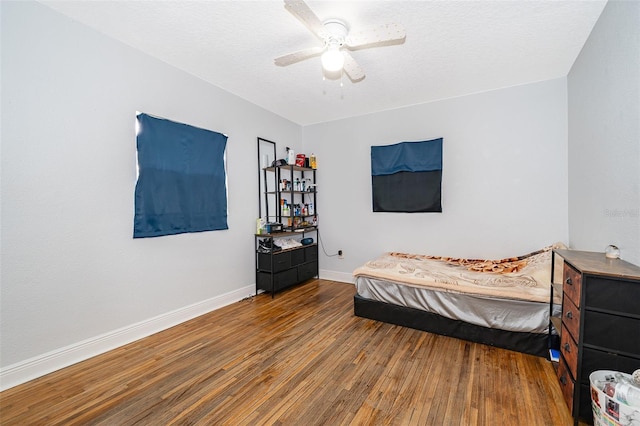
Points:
(324, 84)
(327, 89)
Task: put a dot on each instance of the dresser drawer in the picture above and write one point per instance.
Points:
(616, 333)
(594, 360)
(297, 256)
(307, 271)
(613, 295)
(571, 317)
(311, 253)
(566, 384)
(569, 350)
(572, 284)
(281, 280)
(281, 261)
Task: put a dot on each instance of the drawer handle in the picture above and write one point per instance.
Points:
(567, 348)
(568, 281)
(563, 380)
(569, 315)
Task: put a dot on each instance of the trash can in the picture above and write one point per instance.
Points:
(613, 400)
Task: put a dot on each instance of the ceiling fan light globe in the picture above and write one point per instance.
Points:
(332, 60)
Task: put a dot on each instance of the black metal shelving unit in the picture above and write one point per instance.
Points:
(277, 270)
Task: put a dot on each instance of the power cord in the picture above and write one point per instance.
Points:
(322, 246)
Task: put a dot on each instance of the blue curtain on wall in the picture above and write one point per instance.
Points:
(181, 183)
(407, 177)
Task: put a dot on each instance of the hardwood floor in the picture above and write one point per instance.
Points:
(302, 358)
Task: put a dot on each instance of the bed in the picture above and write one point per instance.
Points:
(503, 303)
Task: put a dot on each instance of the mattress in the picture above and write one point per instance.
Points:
(509, 294)
(484, 311)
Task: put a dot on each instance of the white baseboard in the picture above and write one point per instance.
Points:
(336, 276)
(49, 362)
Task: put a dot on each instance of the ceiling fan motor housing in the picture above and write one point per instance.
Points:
(336, 32)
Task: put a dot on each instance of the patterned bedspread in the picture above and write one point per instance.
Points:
(525, 277)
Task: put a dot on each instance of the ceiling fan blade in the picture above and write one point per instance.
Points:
(351, 68)
(298, 56)
(300, 10)
(383, 35)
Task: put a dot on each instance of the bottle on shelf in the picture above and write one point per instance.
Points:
(312, 161)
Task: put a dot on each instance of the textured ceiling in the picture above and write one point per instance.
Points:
(452, 48)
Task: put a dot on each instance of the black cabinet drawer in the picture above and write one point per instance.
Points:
(311, 253)
(297, 256)
(307, 271)
(281, 261)
(613, 295)
(280, 280)
(594, 360)
(616, 333)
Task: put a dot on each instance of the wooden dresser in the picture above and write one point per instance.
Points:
(600, 324)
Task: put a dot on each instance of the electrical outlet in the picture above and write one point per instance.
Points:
(340, 254)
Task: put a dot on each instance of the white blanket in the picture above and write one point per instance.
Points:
(523, 278)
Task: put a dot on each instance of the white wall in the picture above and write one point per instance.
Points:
(604, 135)
(74, 281)
(504, 189)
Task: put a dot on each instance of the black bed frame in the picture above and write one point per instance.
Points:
(529, 343)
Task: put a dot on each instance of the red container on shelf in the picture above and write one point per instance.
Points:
(300, 160)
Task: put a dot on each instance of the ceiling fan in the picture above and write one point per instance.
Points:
(337, 41)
